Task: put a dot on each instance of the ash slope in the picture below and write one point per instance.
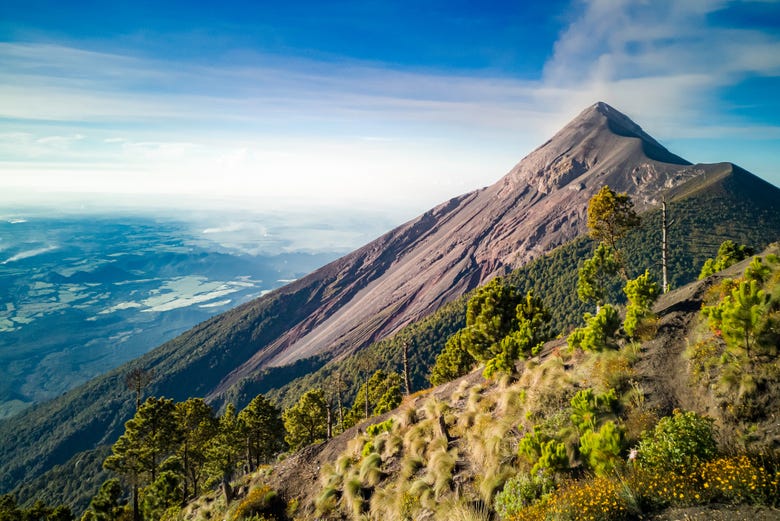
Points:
(370, 293)
(540, 204)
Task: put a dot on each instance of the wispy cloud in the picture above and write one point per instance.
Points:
(662, 60)
(275, 127)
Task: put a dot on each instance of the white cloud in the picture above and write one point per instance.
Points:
(268, 130)
(662, 60)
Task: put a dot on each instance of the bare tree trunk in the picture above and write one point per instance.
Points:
(330, 421)
(366, 395)
(406, 369)
(136, 512)
(664, 245)
(339, 383)
(136, 380)
(227, 489)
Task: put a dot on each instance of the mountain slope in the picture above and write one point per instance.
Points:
(371, 293)
(540, 204)
(478, 424)
(724, 202)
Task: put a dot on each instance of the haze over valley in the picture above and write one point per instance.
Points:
(82, 294)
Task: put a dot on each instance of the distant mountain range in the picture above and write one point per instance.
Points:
(377, 290)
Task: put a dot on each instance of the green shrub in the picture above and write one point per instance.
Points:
(520, 492)
(602, 448)
(728, 254)
(588, 407)
(544, 453)
(598, 331)
(642, 292)
(378, 428)
(678, 442)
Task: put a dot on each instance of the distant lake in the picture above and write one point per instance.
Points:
(80, 295)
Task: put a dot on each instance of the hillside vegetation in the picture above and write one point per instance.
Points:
(682, 417)
(704, 213)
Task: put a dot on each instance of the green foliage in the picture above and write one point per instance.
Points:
(261, 503)
(149, 437)
(161, 494)
(598, 332)
(263, 428)
(728, 255)
(588, 408)
(107, 504)
(306, 421)
(224, 450)
(490, 316)
(528, 336)
(680, 441)
(742, 368)
(542, 452)
(758, 271)
(642, 292)
(378, 428)
(384, 395)
(596, 275)
(502, 326)
(453, 362)
(198, 426)
(737, 316)
(38, 511)
(611, 216)
(520, 492)
(602, 448)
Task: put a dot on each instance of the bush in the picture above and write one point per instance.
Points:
(642, 292)
(260, 503)
(598, 331)
(520, 492)
(542, 452)
(588, 408)
(378, 428)
(597, 499)
(728, 255)
(738, 480)
(678, 442)
(602, 448)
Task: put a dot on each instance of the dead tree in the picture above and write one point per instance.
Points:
(136, 380)
(407, 383)
(665, 225)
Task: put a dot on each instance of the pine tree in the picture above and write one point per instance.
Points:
(198, 427)
(150, 436)
(107, 503)
(225, 450)
(596, 274)
(383, 391)
(264, 431)
(305, 422)
(490, 316)
(453, 362)
(611, 216)
(642, 292)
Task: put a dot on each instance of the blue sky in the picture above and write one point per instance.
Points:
(362, 104)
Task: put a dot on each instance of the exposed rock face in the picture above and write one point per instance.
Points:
(411, 271)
